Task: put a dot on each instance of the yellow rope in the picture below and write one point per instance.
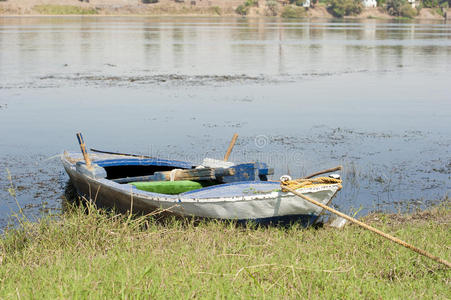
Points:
(311, 182)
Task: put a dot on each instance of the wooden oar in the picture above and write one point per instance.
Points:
(83, 149)
(366, 226)
(229, 150)
(323, 171)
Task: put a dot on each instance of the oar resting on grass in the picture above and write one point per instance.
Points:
(355, 221)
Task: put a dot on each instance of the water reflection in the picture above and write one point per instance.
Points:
(151, 45)
(253, 46)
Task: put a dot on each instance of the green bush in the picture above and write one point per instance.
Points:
(217, 10)
(443, 7)
(297, 2)
(272, 8)
(439, 11)
(393, 7)
(242, 10)
(293, 12)
(380, 3)
(251, 3)
(436, 3)
(430, 3)
(407, 11)
(341, 8)
(401, 8)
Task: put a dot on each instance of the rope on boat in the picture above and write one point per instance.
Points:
(311, 182)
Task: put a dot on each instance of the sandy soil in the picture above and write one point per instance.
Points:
(429, 14)
(319, 12)
(183, 7)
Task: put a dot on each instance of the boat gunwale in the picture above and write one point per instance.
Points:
(132, 190)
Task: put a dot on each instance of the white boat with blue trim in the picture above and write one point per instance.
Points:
(239, 192)
(213, 190)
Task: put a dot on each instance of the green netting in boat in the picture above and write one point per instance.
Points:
(167, 187)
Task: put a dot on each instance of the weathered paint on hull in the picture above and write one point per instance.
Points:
(92, 190)
(274, 206)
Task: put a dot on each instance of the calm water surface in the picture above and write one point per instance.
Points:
(372, 95)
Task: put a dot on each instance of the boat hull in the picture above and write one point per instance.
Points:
(261, 202)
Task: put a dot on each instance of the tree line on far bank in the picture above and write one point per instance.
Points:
(341, 8)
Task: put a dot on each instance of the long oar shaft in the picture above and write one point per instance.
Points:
(375, 230)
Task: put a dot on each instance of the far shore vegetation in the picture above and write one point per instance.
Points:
(47, 9)
(401, 9)
(89, 253)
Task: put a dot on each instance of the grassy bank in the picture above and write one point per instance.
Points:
(101, 256)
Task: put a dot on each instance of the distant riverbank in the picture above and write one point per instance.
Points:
(186, 8)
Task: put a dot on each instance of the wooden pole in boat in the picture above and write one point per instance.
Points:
(83, 149)
(370, 228)
(229, 150)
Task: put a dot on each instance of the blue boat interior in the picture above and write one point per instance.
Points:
(131, 167)
(119, 170)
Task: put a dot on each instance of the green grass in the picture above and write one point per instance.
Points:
(97, 255)
(50, 9)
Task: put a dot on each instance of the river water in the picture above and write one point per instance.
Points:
(372, 95)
